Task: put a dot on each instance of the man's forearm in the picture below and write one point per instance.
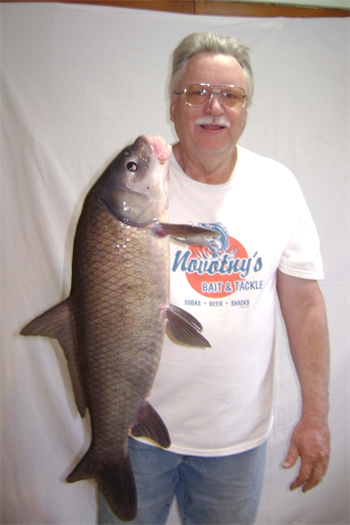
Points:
(309, 345)
(304, 313)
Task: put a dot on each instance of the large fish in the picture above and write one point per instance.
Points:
(112, 325)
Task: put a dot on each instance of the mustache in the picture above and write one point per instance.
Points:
(215, 121)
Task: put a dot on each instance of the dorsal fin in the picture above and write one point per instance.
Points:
(58, 323)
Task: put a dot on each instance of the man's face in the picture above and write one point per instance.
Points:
(196, 137)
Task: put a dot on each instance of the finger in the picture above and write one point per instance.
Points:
(315, 479)
(292, 456)
(305, 473)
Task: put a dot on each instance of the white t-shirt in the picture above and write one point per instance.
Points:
(218, 401)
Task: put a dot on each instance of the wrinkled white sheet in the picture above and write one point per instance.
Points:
(79, 83)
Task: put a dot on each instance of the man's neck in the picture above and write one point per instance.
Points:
(209, 169)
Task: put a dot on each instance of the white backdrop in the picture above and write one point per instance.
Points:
(79, 83)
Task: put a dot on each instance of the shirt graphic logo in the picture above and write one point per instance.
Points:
(220, 269)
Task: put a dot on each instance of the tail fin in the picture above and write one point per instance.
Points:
(116, 480)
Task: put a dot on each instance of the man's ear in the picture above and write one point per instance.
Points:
(172, 106)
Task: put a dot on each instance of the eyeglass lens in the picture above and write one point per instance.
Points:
(231, 97)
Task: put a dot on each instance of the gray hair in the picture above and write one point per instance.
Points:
(212, 43)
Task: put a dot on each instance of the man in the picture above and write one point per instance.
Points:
(217, 402)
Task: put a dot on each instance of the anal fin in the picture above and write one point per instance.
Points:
(150, 424)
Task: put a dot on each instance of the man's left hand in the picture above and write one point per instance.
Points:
(310, 441)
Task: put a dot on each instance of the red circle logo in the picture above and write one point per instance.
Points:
(215, 276)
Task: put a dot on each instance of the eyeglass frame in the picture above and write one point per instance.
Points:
(213, 92)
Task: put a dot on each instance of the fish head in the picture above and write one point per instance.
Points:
(135, 188)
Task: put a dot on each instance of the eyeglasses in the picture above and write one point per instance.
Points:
(199, 95)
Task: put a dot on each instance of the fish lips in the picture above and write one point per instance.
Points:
(156, 146)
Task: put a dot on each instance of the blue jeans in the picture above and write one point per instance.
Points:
(209, 490)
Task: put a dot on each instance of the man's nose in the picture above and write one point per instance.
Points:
(214, 106)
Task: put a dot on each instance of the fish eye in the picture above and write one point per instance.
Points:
(132, 166)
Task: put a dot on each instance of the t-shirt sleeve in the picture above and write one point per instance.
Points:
(302, 257)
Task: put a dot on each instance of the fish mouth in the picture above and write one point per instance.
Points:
(156, 146)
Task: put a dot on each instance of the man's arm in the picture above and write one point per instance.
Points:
(304, 314)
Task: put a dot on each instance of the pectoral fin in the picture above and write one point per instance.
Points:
(150, 424)
(187, 234)
(185, 328)
(58, 323)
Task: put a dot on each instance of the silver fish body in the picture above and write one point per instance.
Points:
(112, 326)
